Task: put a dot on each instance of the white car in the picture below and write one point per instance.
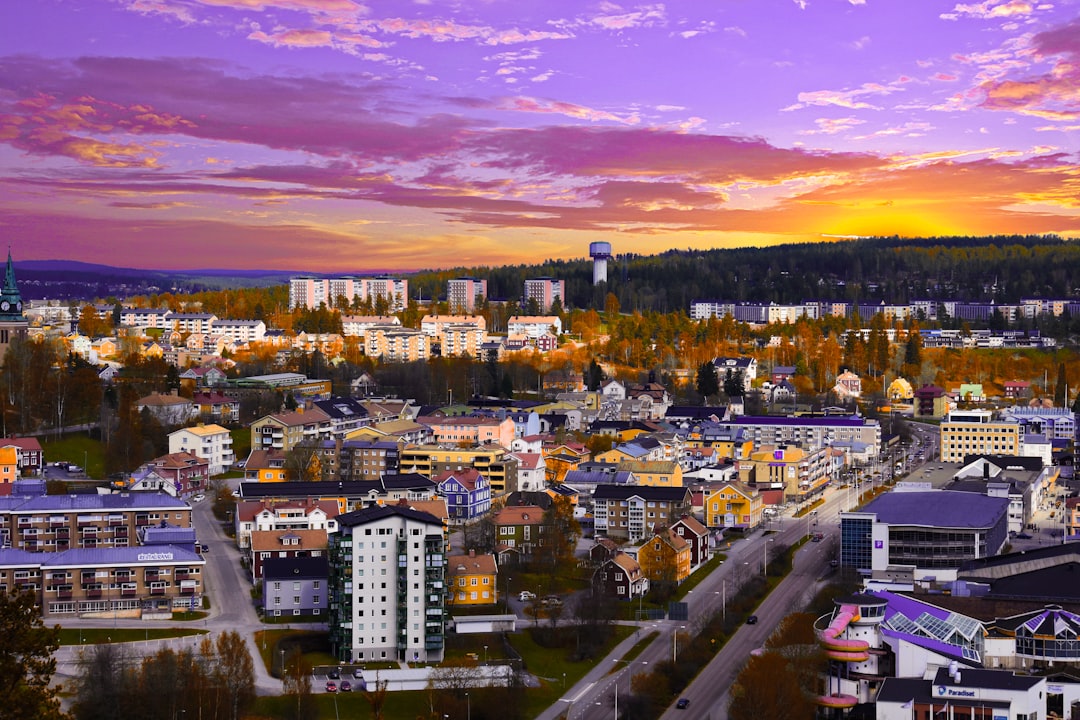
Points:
(525, 596)
(198, 497)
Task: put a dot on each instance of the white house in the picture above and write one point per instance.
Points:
(212, 443)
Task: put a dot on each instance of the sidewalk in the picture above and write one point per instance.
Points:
(601, 670)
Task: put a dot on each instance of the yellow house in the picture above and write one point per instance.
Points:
(9, 468)
(773, 467)
(899, 389)
(665, 557)
(490, 461)
(733, 505)
(152, 350)
(472, 579)
(734, 449)
(266, 466)
(656, 473)
(106, 347)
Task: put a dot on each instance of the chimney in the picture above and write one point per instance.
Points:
(986, 470)
(472, 553)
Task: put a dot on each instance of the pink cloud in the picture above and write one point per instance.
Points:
(532, 105)
(943, 77)
(294, 38)
(1055, 94)
(990, 9)
(845, 98)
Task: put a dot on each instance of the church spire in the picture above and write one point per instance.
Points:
(10, 299)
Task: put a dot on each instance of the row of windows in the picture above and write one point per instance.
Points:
(472, 595)
(296, 586)
(315, 599)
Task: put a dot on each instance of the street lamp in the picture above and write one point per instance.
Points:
(468, 706)
(675, 643)
(765, 559)
(485, 654)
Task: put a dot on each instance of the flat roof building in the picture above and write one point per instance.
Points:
(931, 532)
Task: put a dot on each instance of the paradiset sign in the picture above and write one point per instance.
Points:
(946, 691)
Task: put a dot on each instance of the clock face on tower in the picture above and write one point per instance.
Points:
(18, 305)
(5, 306)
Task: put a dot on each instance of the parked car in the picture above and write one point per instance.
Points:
(1023, 536)
(752, 620)
(199, 497)
(205, 548)
(552, 601)
(525, 596)
(331, 686)
(334, 674)
(358, 673)
(74, 469)
(346, 686)
(683, 703)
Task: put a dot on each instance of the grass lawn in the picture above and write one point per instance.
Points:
(78, 448)
(700, 574)
(549, 664)
(352, 705)
(93, 636)
(241, 442)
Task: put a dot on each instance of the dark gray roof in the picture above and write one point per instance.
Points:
(903, 689)
(343, 488)
(295, 568)
(407, 481)
(595, 477)
(1032, 464)
(342, 407)
(378, 512)
(645, 492)
(938, 508)
(992, 679)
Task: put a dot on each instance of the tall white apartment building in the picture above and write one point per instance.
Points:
(462, 293)
(309, 292)
(545, 291)
(387, 586)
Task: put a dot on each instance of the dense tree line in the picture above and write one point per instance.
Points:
(26, 661)
(894, 269)
(214, 682)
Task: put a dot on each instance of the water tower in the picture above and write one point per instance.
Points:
(600, 252)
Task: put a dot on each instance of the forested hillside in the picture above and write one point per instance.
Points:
(1002, 269)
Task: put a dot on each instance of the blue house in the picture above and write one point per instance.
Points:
(295, 586)
(467, 493)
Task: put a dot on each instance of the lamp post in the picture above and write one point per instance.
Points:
(765, 559)
(485, 654)
(675, 643)
(468, 706)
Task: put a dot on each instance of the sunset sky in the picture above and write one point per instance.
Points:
(344, 136)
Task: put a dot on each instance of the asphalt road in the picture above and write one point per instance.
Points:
(708, 693)
(231, 607)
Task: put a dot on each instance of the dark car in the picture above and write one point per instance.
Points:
(1023, 536)
(752, 620)
(334, 674)
(346, 686)
(683, 703)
